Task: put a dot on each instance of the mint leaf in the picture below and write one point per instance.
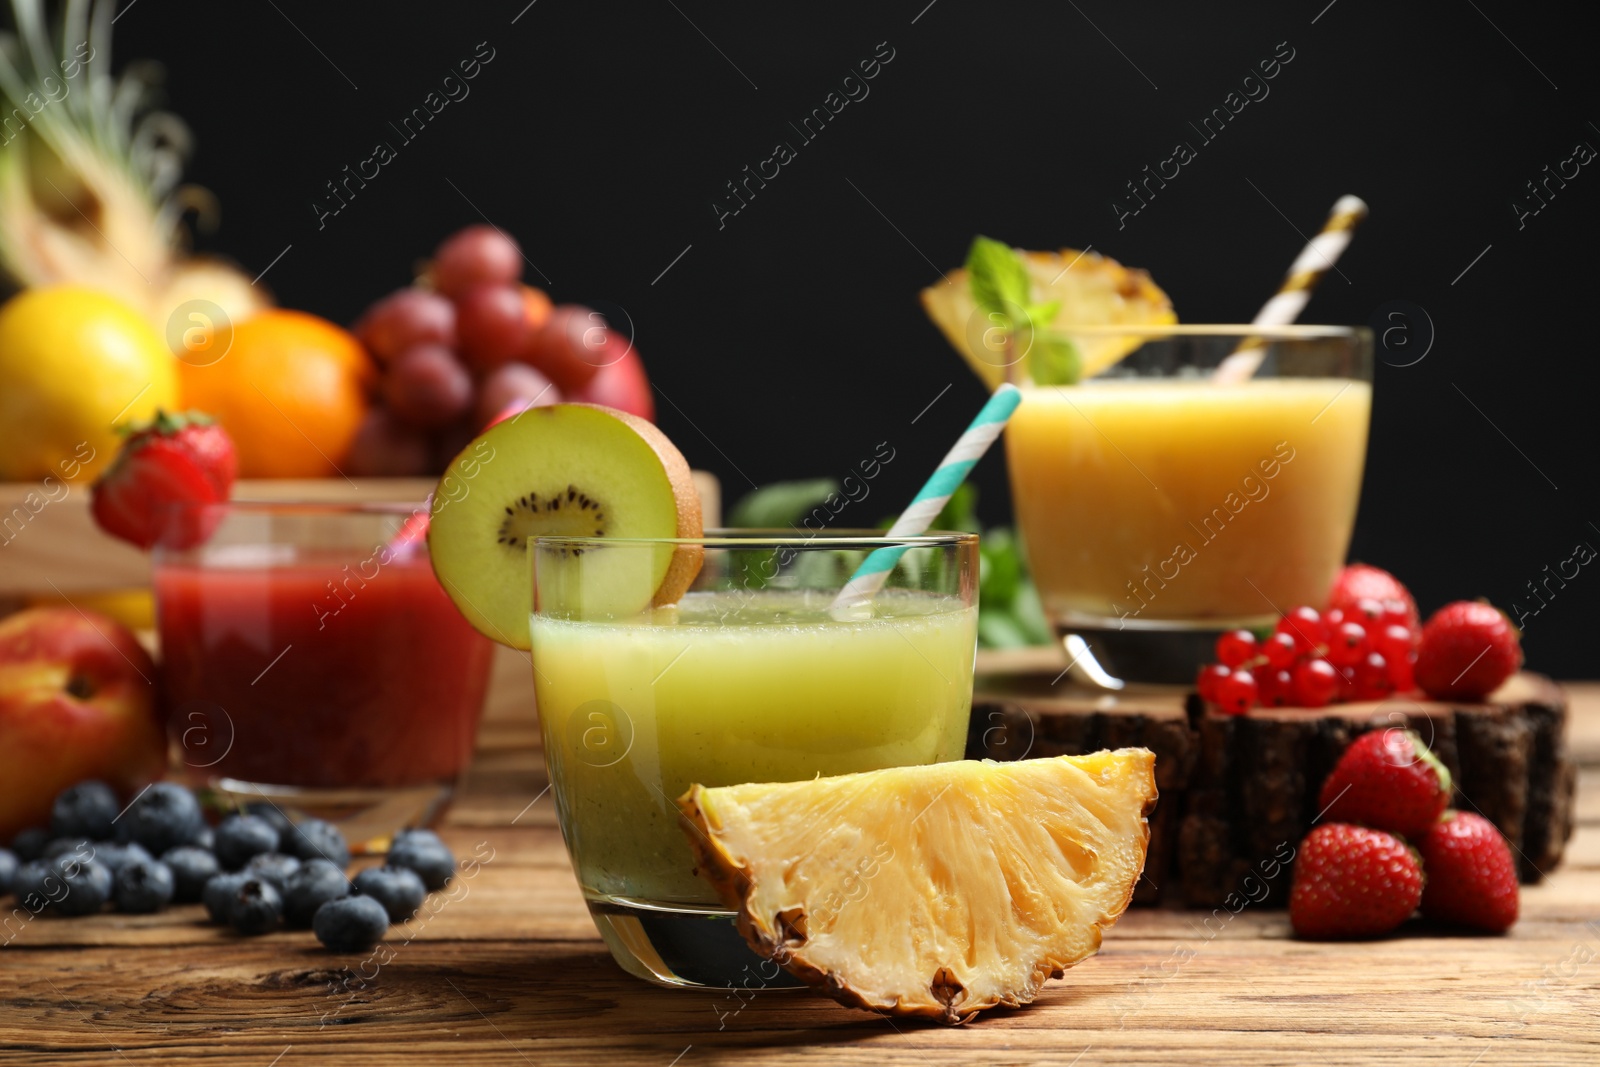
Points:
(997, 629)
(1001, 572)
(1027, 610)
(997, 276)
(1053, 359)
(780, 504)
(960, 512)
(1040, 316)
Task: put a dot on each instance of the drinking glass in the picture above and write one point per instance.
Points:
(311, 659)
(749, 677)
(1160, 507)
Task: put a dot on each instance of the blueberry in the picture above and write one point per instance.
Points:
(29, 844)
(37, 885)
(255, 908)
(350, 924)
(87, 882)
(191, 868)
(317, 838)
(417, 833)
(164, 816)
(60, 846)
(265, 809)
(398, 889)
(143, 886)
(203, 838)
(273, 867)
(239, 837)
(8, 870)
(84, 810)
(218, 894)
(116, 856)
(313, 885)
(423, 852)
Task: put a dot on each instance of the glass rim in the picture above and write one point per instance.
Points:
(758, 537)
(1291, 332)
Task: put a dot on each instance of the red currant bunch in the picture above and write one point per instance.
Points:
(1361, 649)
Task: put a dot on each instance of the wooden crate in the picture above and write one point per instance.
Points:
(52, 547)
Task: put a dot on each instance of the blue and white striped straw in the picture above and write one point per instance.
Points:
(930, 499)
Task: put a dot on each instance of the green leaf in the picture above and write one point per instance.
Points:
(1053, 359)
(997, 276)
(1002, 568)
(781, 504)
(996, 629)
(1029, 613)
(1040, 316)
(778, 506)
(960, 512)
(823, 570)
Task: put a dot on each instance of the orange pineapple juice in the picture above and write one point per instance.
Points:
(1159, 501)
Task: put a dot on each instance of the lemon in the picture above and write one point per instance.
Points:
(935, 891)
(1092, 290)
(73, 363)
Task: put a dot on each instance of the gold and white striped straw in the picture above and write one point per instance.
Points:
(1314, 260)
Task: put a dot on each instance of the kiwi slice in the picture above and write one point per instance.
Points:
(566, 470)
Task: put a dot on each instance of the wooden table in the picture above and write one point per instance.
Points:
(510, 971)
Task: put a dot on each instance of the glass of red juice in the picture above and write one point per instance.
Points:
(311, 658)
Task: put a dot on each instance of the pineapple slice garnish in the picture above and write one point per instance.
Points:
(1091, 289)
(936, 891)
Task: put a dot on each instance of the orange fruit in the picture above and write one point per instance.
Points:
(290, 390)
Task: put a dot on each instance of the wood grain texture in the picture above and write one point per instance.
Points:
(508, 970)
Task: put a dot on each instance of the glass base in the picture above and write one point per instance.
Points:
(684, 946)
(1111, 658)
(368, 818)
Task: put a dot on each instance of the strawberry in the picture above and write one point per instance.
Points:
(1361, 581)
(1467, 650)
(1388, 780)
(1471, 878)
(173, 460)
(1353, 882)
(210, 446)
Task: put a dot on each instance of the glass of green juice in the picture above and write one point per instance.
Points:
(748, 677)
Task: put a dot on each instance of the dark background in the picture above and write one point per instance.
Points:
(789, 343)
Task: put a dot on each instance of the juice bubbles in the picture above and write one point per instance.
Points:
(1151, 502)
(730, 687)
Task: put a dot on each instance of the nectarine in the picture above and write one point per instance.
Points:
(77, 700)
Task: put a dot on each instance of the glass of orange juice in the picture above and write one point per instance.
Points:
(1161, 506)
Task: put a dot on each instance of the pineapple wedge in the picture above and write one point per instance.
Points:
(936, 891)
(1093, 291)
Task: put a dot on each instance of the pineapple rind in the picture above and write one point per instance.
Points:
(995, 931)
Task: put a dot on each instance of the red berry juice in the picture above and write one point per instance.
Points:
(332, 672)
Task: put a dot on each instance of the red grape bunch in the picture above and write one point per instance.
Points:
(469, 343)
